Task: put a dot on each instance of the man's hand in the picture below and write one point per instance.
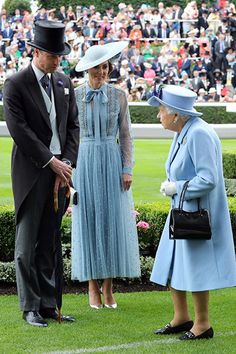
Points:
(127, 180)
(62, 170)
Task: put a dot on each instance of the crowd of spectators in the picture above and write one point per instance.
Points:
(194, 47)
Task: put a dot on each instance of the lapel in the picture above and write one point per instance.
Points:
(35, 92)
(59, 96)
(178, 141)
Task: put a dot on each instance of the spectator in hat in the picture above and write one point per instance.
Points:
(212, 95)
(124, 69)
(135, 35)
(202, 95)
(131, 81)
(206, 82)
(104, 235)
(203, 8)
(148, 31)
(194, 48)
(202, 21)
(149, 73)
(41, 115)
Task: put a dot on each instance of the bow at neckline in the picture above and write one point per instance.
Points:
(97, 111)
(102, 97)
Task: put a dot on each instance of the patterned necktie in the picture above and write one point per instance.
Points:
(46, 83)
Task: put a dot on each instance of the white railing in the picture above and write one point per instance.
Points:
(156, 131)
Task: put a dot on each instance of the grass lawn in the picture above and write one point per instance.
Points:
(129, 329)
(149, 172)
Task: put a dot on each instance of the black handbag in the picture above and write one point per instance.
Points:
(187, 225)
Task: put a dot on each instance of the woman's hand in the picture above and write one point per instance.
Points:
(127, 180)
(168, 189)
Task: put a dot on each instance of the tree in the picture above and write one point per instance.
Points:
(12, 5)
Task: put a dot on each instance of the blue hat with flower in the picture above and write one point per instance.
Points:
(177, 98)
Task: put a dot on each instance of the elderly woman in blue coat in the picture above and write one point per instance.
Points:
(193, 265)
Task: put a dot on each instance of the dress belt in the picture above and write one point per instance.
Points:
(103, 140)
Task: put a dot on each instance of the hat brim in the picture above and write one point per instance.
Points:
(66, 50)
(113, 49)
(156, 101)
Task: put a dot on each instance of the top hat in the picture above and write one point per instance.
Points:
(177, 98)
(49, 37)
(98, 54)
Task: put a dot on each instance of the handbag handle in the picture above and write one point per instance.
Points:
(181, 199)
(182, 195)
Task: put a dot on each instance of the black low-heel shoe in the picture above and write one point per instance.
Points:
(168, 329)
(209, 333)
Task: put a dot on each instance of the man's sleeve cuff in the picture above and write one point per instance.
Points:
(49, 161)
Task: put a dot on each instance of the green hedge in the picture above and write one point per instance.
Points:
(229, 165)
(213, 115)
(148, 114)
(155, 214)
(7, 233)
(8, 274)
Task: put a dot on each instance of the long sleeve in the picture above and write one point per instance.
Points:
(125, 135)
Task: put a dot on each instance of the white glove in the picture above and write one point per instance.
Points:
(168, 188)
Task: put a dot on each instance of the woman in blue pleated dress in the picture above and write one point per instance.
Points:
(104, 235)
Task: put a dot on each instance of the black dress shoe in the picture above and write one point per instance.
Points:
(34, 318)
(168, 329)
(209, 333)
(52, 313)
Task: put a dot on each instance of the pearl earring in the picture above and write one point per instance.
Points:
(175, 120)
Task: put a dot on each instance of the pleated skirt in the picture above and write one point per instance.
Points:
(104, 234)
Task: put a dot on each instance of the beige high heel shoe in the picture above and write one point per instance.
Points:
(109, 306)
(112, 306)
(96, 306)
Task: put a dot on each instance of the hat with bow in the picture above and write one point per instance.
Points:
(178, 99)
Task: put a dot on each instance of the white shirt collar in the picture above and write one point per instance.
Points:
(38, 73)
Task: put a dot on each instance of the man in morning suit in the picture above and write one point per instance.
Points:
(42, 118)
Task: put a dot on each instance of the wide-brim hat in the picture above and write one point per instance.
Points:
(147, 65)
(212, 90)
(98, 54)
(179, 99)
(49, 37)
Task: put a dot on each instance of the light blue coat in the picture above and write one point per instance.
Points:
(197, 265)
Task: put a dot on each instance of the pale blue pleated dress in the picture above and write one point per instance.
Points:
(104, 234)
